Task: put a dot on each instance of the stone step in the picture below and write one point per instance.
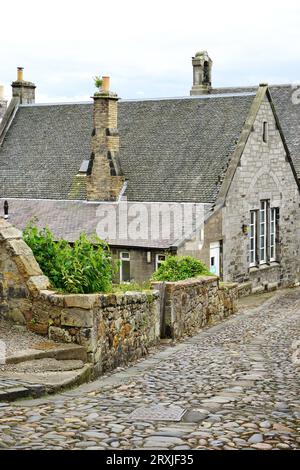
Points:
(17, 385)
(47, 364)
(49, 350)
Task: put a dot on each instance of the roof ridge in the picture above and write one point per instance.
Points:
(246, 87)
(63, 103)
(130, 100)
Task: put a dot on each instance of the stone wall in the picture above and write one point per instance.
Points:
(190, 305)
(264, 173)
(212, 233)
(114, 328)
(140, 269)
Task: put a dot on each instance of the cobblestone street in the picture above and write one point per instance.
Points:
(237, 380)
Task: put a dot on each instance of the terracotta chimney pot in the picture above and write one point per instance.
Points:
(105, 83)
(20, 74)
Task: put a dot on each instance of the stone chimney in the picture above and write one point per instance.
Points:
(3, 102)
(104, 175)
(202, 65)
(22, 90)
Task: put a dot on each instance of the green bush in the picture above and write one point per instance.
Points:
(131, 286)
(178, 268)
(83, 268)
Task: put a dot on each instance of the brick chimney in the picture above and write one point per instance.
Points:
(22, 90)
(104, 175)
(202, 65)
(3, 102)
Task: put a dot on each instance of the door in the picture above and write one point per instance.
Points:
(125, 266)
(214, 266)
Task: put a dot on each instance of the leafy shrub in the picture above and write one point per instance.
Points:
(131, 286)
(178, 268)
(98, 82)
(83, 268)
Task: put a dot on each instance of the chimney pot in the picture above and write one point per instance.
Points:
(105, 83)
(1, 92)
(20, 74)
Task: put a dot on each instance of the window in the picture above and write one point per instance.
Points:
(263, 232)
(159, 259)
(253, 219)
(125, 266)
(273, 213)
(265, 132)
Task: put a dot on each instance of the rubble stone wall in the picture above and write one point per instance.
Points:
(114, 328)
(190, 305)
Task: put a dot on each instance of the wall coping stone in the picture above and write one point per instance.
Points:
(187, 282)
(228, 285)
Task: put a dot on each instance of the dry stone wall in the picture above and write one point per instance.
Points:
(190, 305)
(114, 328)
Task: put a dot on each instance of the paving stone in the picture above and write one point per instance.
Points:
(261, 446)
(210, 368)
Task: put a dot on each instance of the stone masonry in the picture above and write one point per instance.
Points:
(264, 173)
(22, 90)
(3, 106)
(114, 328)
(105, 180)
(190, 305)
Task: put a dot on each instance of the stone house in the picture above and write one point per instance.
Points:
(215, 175)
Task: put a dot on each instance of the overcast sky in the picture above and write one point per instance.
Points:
(146, 46)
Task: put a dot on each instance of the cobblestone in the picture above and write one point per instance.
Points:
(237, 380)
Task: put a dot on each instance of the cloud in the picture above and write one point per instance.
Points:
(146, 45)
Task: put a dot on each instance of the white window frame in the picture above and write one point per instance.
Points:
(272, 240)
(252, 236)
(124, 256)
(158, 261)
(263, 237)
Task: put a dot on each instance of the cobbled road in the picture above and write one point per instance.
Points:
(237, 380)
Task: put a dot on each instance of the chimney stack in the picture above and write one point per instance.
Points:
(104, 175)
(22, 90)
(202, 65)
(3, 102)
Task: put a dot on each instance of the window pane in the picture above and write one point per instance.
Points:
(273, 234)
(263, 231)
(125, 271)
(252, 235)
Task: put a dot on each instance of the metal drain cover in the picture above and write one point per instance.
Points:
(158, 413)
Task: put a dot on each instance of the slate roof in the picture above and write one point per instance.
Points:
(43, 150)
(68, 219)
(171, 149)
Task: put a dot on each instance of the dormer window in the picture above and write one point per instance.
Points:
(265, 132)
